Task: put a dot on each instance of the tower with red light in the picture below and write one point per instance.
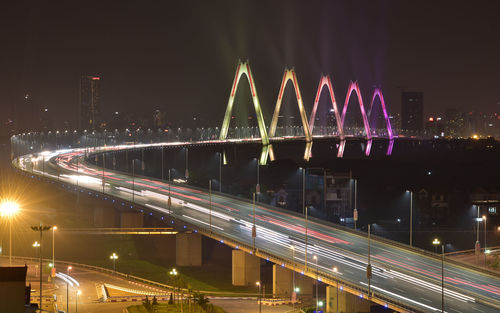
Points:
(89, 104)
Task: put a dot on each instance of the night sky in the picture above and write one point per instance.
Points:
(180, 56)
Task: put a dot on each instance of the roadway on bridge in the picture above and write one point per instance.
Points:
(399, 274)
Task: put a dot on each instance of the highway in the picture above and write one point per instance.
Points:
(399, 274)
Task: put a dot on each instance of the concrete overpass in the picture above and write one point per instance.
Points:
(404, 279)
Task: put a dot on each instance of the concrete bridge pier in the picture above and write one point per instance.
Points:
(283, 283)
(246, 268)
(188, 249)
(347, 301)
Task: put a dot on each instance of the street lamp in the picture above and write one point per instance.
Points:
(436, 243)
(484, 219)
(174, 273)
(411, 217)
(67, 289)
(442, 278)
(335, 270)
(114, 257)
(53, 273)
(294, 294)
(260, 296)
(78, 293)
(8, 209)
(317, 281)
(41, 228)
(36, 245)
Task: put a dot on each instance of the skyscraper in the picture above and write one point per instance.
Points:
(412, 111)
(89, 106)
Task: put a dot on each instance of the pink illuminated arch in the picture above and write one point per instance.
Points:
(354, 87)
(326, 81)
(378, 93)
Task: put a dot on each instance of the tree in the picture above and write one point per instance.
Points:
(171, 300)
(155, 301)
(147, 305)
(201, 300)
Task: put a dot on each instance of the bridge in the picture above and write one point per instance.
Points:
(303, 249)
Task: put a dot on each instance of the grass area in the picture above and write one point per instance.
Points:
(207, 278)
(172, 308)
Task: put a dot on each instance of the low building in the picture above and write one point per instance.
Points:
(13, 289)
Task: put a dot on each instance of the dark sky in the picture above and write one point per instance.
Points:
(180, 56)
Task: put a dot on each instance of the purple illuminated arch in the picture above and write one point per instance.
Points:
(354, 87)
(378, 93)
(326, 81)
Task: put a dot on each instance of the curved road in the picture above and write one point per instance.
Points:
(400, 274)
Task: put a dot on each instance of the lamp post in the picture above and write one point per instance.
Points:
(169, 201)
(8, 209)
(220, 171)
(436, 243)
(254, 228)
(442, 278)
(133, 180)
(174, 273)
(260, 296)
(40, 229)
(78, 293)
(257, 186)
(36, 245)
(411, 217)
(294, 294)
(355, 212)
(335, 270)
(484, 219)
(67, 289)
(114, 257)
(305, 245)
(210, 204)
(317, 280)
(54, 228)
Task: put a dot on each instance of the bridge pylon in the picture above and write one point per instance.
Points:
(354, 87)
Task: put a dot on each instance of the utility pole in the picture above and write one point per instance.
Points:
(411, 218)
(162, 161)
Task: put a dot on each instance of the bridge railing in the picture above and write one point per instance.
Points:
(35, 142)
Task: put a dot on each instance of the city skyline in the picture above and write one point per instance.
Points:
(150, 60)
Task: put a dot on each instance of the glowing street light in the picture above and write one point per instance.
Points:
(8, 209)
(336, 271)
(53, 273)
(78, 293)
(67, 289)
(260, 296)
(114, 257)
(436, 243)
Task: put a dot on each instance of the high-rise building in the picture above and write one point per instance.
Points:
(412, 111)
(89, 106)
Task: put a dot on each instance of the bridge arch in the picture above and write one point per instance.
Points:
(244, 69)
(354, 87)
(325, 81)
(290, 75)
(378, 93)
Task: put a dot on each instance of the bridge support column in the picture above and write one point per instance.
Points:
(282, 281)
(131, 220)
(305, 284)
(188, 249)
(347, 301)
(246, 268)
